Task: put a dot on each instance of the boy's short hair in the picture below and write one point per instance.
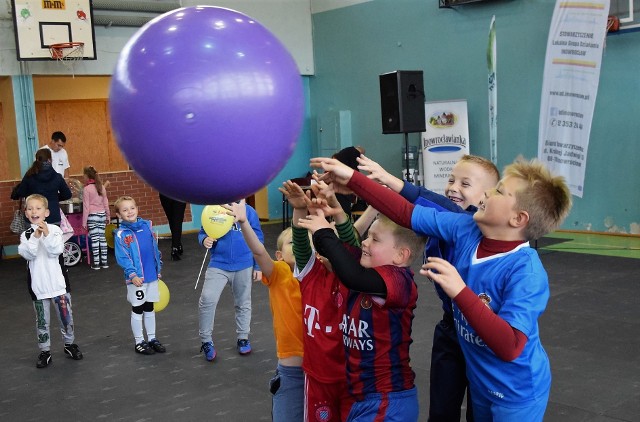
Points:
(116, 205)
(546, 197)
(38, 197)
(281, 236)
(404, 237)
(486, 164)
(58, 136)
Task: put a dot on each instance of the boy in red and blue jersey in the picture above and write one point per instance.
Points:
(323, 298)
(376, 323)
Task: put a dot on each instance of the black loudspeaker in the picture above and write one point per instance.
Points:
(402, 102)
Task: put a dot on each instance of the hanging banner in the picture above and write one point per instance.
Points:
(570, 86)
(493, 91)
(445, 140)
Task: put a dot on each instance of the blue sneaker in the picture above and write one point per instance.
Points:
(244, 347)
(209, 351)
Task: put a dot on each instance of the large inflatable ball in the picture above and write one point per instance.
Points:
(206, 104)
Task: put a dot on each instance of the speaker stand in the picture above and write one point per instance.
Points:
(406, 157)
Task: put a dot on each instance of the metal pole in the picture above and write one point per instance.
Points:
(406, 155)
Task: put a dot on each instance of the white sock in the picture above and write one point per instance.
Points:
(136, 327)
(150, 324)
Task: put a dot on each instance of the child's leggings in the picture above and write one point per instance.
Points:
(96, 224)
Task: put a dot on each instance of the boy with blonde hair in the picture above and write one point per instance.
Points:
(42, 245)
(287, 386)
(136, 250)
(470, 177)
(377, 315)
(496, 280)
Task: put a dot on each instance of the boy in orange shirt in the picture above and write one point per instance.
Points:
(287, 386)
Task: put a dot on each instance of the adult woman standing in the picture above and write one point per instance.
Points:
(41, 178)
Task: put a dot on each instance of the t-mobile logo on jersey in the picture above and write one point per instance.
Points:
(312, 320)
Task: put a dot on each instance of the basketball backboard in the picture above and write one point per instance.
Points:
(628, 11)
(40, 23)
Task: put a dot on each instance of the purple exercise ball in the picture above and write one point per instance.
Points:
(206, 104)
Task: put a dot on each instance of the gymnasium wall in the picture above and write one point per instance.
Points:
(353, 45)
(78, 105)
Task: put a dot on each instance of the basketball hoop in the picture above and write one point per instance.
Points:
(67, 53)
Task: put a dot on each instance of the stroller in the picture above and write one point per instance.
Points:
(76, 239)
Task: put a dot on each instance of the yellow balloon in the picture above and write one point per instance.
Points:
(164, 297)
(215, 221)
(108, 233)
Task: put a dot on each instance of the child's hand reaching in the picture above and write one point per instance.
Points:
(294, 194)
(445, 274)
(380, 175)
(335, 171)
(325, 199)
(238, 210)
(315, 222)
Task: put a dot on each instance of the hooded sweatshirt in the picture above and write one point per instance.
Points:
(49, 184)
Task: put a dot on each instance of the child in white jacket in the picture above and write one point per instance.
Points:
(42, 245)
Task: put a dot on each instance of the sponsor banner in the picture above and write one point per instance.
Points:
(445, 140)
(569, 87)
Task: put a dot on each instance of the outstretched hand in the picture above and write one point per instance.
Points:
(380, 175)
(445, 274)
(294, 194)
(315, 222)
(238, 210)
(325, 199)
(335, 171)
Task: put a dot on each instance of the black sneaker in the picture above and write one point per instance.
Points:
(157, 346)
(144, 349)
(44, 359)
(73, 351)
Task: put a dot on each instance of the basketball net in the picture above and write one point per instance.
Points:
(67, 53)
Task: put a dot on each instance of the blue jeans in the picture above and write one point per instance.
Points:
(287, 387)
(214, 282)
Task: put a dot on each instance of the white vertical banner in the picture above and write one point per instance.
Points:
(445, 140)
(570, 86)
(493, 91)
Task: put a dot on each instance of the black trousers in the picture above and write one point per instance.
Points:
(174, 210)
(448, 378)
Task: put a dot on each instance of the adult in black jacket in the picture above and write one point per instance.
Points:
(43, 179)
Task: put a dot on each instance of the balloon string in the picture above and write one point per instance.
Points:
(201, 267)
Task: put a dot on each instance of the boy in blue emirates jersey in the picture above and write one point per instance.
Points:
(496, 280)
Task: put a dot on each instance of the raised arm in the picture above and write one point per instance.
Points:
(301, 243)
(380, 175)
(260, 254)
(384, 200)
(348, 269)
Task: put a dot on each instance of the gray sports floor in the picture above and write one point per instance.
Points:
(591, 331)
